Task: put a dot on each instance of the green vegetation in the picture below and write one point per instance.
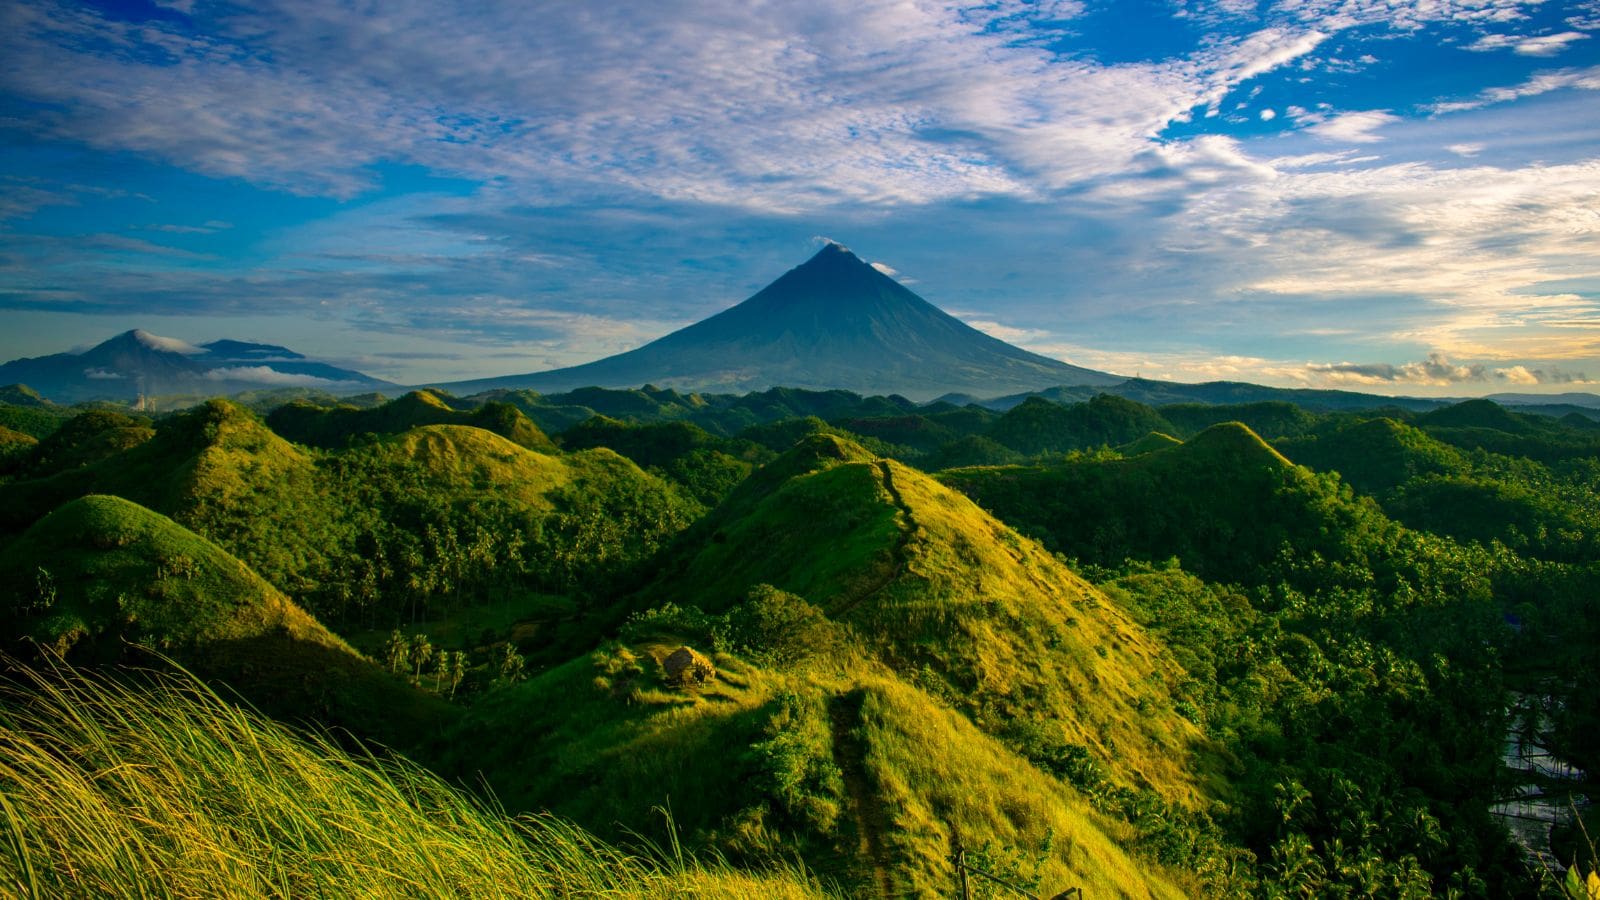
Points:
(103, 580)
(1338, 624)
(438, 516)
(825, 758)
(1540, 510)
(705, 466)
(164, 789)
(307, 423)
(1039, 427)
(982, 617)
(15, 448)
(1132, 649)
(102, 570)
(85, 439)
(1150, 443)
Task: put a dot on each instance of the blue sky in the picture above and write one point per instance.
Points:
(1400, 197)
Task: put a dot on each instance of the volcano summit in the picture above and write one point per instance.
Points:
(833, 322)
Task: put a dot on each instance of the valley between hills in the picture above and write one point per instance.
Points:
(1143, 651)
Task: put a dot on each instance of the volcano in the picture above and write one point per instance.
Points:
(138, 362)
(833, 322)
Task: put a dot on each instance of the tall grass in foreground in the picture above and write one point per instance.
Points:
(163, 789)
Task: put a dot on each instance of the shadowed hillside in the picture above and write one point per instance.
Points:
(1224, 502)
(102, 577)
(101, 570)
(318, 426)
(1038, 426)
(1376, 456)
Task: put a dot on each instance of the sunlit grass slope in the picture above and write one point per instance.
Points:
(312, 522)
(835, 761)
(1150, 443)
(165, 790)
(976, 789)
(462, 457)
(215, 456)
(102, 568)
(943, 591)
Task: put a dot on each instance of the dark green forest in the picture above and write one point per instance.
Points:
(1146, 649)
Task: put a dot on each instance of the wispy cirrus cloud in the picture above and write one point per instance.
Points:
(1584, 79)
(1527, 45)
(791, 107)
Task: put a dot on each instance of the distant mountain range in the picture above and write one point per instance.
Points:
(835, 322)
(138, 362)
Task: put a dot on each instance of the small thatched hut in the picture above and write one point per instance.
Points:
(685, 667)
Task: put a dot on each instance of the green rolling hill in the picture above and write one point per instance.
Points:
(318, 426)
(937, 586)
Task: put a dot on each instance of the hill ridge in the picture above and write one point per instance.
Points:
(936, 585)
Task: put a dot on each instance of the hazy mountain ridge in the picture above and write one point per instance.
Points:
(137, 362)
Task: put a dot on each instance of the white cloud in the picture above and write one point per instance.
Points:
(1467, 150)
(1518, 375)
(1008, 333)
(166, 344)
(1353, 127)
(1587, 79)
(790, 108)
(829, 106)
(1310, 160)
(266, 375)
(1536, 45)
(1473, 246)
(1437, 370)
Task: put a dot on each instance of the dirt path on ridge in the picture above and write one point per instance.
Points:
(866, 812)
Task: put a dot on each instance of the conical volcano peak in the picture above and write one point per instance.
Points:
(835, 321)
(834, 255)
